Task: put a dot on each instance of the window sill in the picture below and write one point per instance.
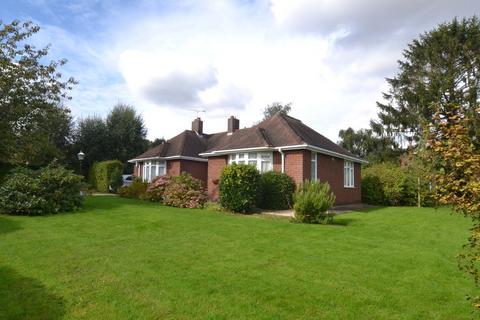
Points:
(349, 187)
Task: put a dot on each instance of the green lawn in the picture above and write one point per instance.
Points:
(127, 259)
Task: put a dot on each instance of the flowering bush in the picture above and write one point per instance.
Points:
(156, 189)
(184, 191)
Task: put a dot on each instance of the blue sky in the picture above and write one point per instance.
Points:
(328, 57)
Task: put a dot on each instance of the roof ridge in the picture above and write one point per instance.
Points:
(281, 116)
(262, 132)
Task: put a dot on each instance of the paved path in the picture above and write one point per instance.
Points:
(335, 210)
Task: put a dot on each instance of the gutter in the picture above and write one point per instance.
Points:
(169, 158)
(285, 148)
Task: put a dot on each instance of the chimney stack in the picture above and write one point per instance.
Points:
(233, 124)
(197, 126)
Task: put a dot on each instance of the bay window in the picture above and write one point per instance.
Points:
(153, 168)
(348, 174)
(261, 160)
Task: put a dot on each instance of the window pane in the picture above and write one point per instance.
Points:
(265, 156)
(265, 166)
(153, 172)
(161, 171)
(241, 155)
(241, 162)
(253, 162)
(252, 155)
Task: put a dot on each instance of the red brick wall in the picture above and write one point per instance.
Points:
(137, 170)
(296, 166)
(173, 168)
(277, 161)
(196, 168)
(215, 166)
(330, 169)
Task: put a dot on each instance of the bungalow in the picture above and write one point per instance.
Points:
(280, 143)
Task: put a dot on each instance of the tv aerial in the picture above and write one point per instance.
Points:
(198, 111)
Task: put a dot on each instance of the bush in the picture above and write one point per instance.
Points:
(156, 189)
(277, 190)
(239, 188)
(61, 188)
(312, 201)
(383, 184)
(106, 176)
(184, 191)
(50, 190)
(136, 190)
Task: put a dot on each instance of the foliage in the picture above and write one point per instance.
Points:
(369, 144)
(34, 125)
(106, 176)
(51, 189)
(91, 137)
(440, 67)
(120, 136)
(457, 179)
(127, 133)
(312, 200)
(383, 184)
(276, 107)
(213, 206)
(276, 190)
(156, 188)
(136, 190)
(239, 188)
(184, 191)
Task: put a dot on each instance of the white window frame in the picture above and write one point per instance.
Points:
(160, 169)
(348, 174)
(250, 157)
(313, 164)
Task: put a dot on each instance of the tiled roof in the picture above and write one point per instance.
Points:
(278, 131)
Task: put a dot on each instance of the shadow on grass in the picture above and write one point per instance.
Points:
(342, 222)
(8, 225)
(27, 298)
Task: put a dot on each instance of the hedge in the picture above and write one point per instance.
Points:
(106, 176)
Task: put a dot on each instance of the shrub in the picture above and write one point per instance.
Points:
(136, 190)
(312, 201)
(184, 191)
(61, 188)
(277, 190)
(106, 176)
(50, 190)
(239, 188)
(383, 184)
(21, 194)
(156, 189)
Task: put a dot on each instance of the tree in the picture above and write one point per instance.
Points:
(366, 144)
(35, 126)
(156, 142)
(439, 68)
(274, 108)
(91, 137)
(127, 133)
(457, 179)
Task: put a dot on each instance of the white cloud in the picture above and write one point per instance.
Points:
(328, 57)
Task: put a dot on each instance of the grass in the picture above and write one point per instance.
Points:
(126, 259)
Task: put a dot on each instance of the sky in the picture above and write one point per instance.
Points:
(329, 58)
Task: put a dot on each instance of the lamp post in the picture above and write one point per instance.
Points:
(80, 157)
